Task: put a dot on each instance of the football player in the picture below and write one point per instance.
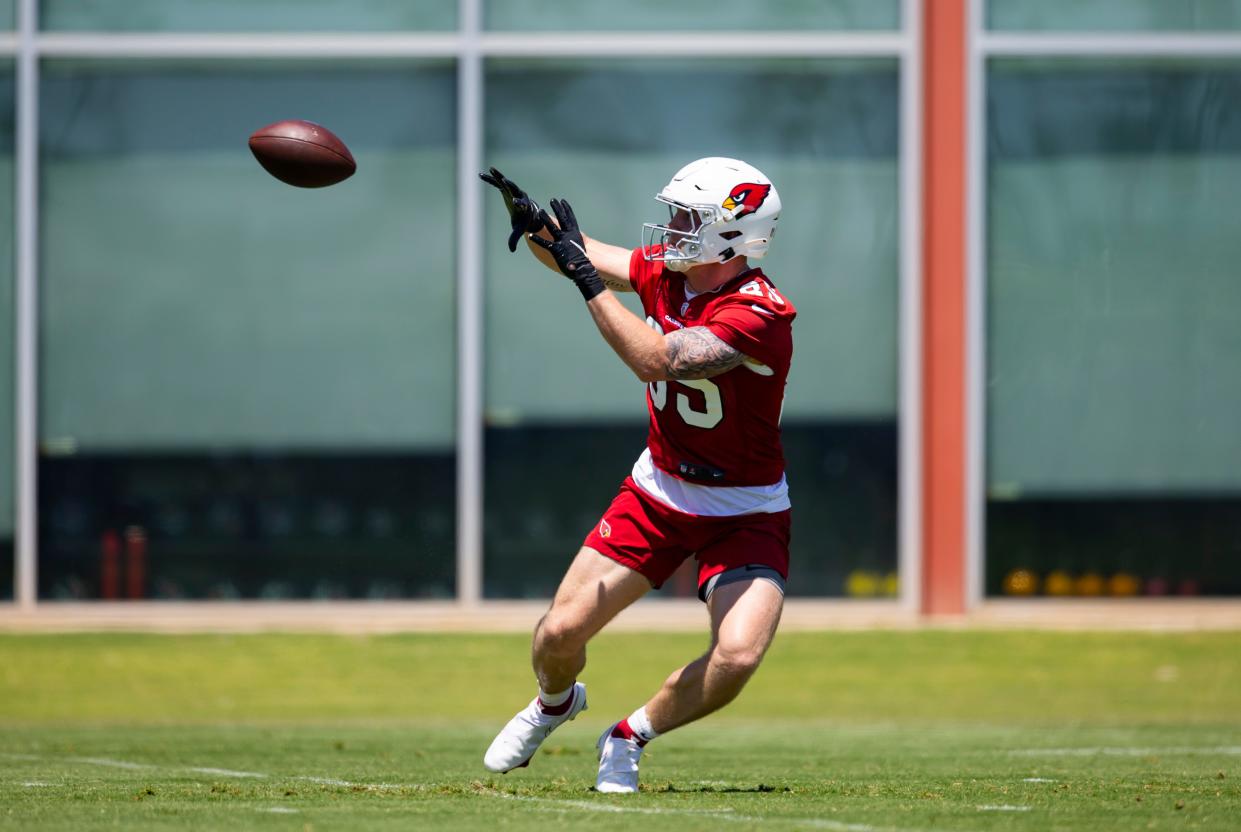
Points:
(714, 352)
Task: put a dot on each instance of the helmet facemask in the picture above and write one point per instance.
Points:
(680, 249)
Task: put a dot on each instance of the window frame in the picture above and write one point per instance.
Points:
(469, 45)
(984, 44)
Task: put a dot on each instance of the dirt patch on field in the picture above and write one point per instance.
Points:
(679, 615)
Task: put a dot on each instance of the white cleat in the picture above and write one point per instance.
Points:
(618, 763)
(516, 743)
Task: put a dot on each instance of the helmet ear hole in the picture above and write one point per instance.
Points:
(730, 235)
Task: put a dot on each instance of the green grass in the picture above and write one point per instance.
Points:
(841, 731)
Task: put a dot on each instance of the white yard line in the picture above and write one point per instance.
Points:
(109, 763)
(609, 808)
(1124, 751)
(224, 772)
(331, 781)
(1003, 808)
(348, 784)
(218, 772)
(552, 804)
(546, 803)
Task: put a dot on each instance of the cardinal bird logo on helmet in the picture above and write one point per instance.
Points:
(747, 196)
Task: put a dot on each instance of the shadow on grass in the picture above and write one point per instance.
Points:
(714, 788)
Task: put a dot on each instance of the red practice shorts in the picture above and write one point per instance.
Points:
(652, 539)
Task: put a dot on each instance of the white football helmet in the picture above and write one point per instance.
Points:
(732, 209)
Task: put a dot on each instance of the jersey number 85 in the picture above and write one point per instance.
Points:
(707, 418)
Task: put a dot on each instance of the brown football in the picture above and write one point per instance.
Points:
(302, 153)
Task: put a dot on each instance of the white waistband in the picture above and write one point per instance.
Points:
(709, 500)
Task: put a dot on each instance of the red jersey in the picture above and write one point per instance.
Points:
(724, 430)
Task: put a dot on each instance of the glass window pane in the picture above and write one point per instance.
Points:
(8, 14)
(247, 15)
(700, 15)
(259, 376)
(7, 326)
(1114, 319)
(1114, 15)
(567, 419)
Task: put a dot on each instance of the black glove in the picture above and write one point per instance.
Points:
(523, 212)
(567, 246)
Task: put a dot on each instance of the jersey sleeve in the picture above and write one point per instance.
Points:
(756, 328)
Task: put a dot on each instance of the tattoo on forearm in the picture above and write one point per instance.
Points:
(616, 285)
(696, 353)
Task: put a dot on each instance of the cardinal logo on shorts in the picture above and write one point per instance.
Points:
(747, 197)
(605, 530)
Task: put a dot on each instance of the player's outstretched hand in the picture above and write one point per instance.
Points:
(569, 249)
(523, 212)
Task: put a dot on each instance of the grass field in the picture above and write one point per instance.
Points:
(930, 730)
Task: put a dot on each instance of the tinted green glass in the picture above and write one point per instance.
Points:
(1114, 15)
(701, 15)
(202, 303)
(8, 14)
(1114, 306)
(7, 326)
(1114, 339)
(825, 133)
(258, 377)
(247, 15)
(568, 418)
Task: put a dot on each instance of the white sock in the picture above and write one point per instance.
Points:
(551, 700)
(640, 724)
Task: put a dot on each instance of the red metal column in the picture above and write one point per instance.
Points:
(944, 307)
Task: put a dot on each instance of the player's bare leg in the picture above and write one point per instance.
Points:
(744, 617)
(591, 593)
